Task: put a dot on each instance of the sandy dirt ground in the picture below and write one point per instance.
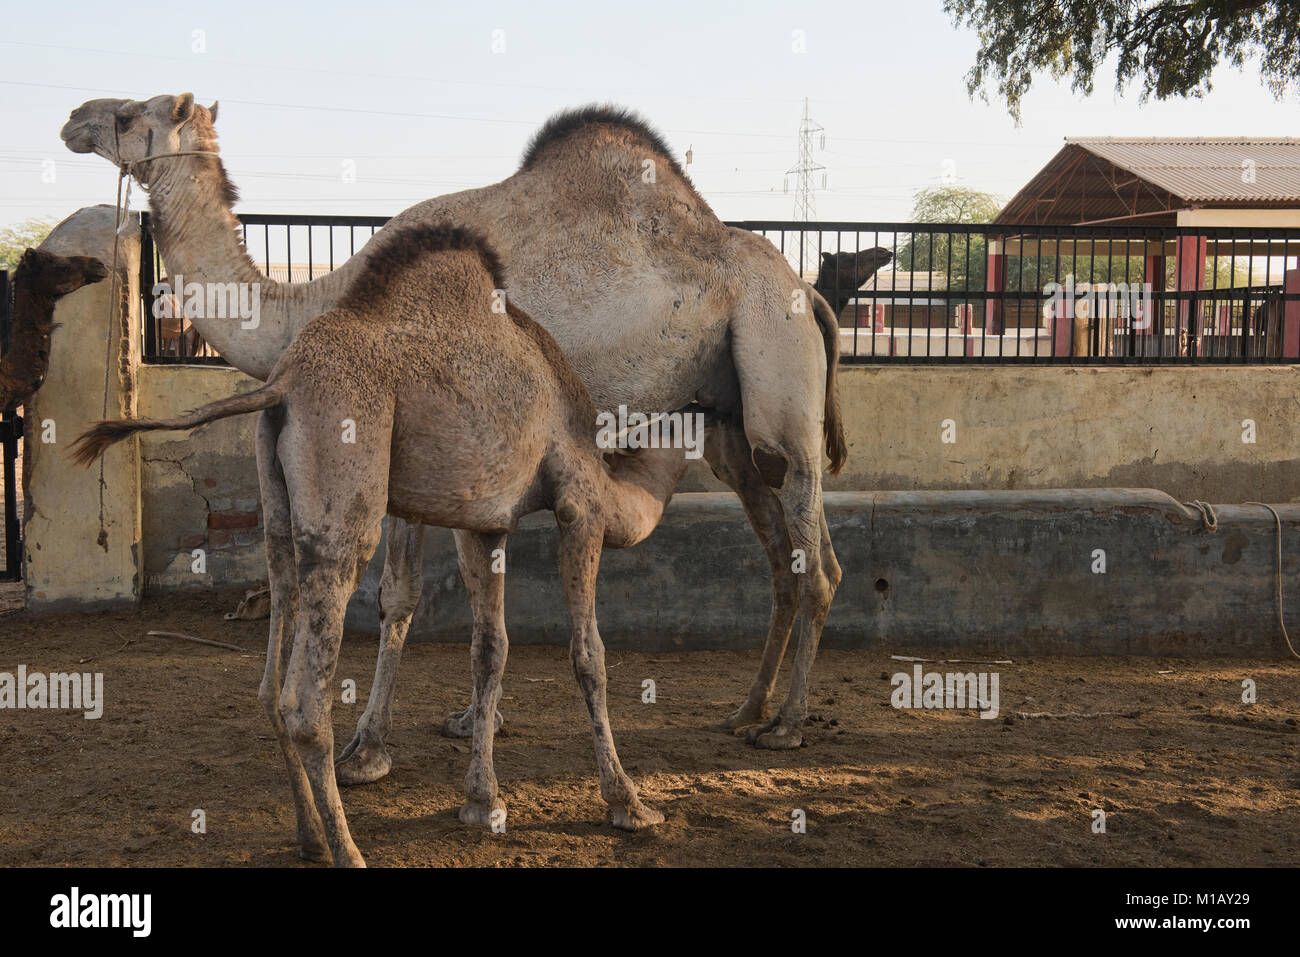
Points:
(1187, 775)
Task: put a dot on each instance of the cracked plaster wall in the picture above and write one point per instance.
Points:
(199, 489)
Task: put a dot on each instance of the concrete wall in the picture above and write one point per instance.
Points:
(198, 489)
(985, 573)
(1178, 429)
(81, 535)
(1015, 427)
(164, 495)
(1175, 429)
(1020, 427)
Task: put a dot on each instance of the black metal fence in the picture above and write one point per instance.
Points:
(1053, 294)
(286, 248)
(11, 430)
(940, 293)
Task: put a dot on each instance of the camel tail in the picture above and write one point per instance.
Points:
(833, 422)
(92, 443)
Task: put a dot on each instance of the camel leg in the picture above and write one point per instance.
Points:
(306, 700)
(729, 455)
(365, 759)
(338, 494)
(330, 566)
(781, 364)
(460, 724)
(801, 500)
(487, 595)
(581, 537)
(283, 579)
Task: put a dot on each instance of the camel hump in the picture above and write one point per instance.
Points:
(405, 247)
(593, 116)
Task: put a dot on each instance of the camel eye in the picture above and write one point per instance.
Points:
(123, 122)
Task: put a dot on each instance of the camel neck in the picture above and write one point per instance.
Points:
(638, 489)
(198, 237)
(27, 358)
(192, 222)
(38, 307)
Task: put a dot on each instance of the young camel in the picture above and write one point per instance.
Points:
(458, 416)
(40, 280)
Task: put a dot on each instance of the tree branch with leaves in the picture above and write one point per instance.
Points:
(1171, 47)
(14, 240)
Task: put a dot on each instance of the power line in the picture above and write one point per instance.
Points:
(402, 77)
(495, 119)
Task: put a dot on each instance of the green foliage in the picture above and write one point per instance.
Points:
(963, 259)
(15, 239)
(1172, 46)
(954, 204)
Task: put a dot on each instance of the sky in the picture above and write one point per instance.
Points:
(424, 99)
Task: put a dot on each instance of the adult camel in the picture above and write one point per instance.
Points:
(655, 302)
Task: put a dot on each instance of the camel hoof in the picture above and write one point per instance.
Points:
(350, 858)
(636, 817)
(362, 764)
(460, 724)
(316, 852)
(480, 813)
(352, 747)
(747, 714)
(776, 736)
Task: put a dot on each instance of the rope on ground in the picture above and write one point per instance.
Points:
(201, 641)
(1281, 622)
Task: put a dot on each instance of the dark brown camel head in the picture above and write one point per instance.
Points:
(39, 281)
(840, 275)
(47, 275)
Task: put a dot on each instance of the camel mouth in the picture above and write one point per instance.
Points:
(96, 271)
(77, 137)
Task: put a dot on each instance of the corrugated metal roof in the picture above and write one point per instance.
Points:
(1148, 179)
(1206, 169)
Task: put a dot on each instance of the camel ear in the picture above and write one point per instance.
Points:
(828, 259)
(183, 109)
(212, 111)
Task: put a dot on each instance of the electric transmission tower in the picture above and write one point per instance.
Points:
(805, 172)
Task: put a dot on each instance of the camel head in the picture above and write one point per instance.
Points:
(46, 274)
(130, 131)
(841, 274)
